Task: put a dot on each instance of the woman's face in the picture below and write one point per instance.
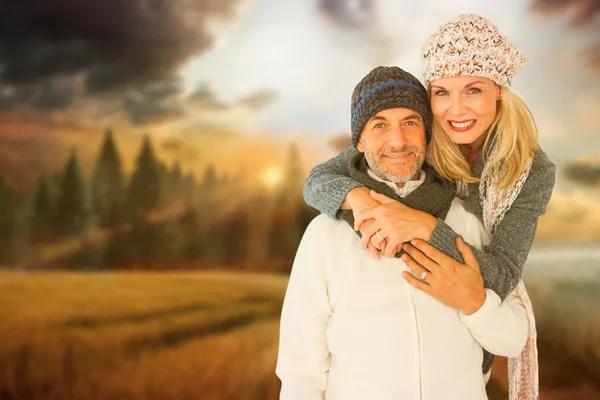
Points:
(465, 107)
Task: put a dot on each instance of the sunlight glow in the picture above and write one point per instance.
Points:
(271, 176)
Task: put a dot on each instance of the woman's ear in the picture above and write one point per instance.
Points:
(499, 94)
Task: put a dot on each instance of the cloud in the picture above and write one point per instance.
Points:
(357, 25)
(155, 102)
(204, 99)
(165, 101)
(582, 12)
(585, 171)
(258, 100)
(569, 219)
(355, 14)
(53, 94)
(214, 129)
(113, 45)
(583, 15)
(180, 149)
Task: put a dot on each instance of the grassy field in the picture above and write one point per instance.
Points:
(139, 336)
(204, 336)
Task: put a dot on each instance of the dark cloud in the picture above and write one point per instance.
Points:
(115, 44)
(584, 172)
(351, 14)
(162, 101)
(52, 94)
(155, 102)
(341, 141)
(582, 12)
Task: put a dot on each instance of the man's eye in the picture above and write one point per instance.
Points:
(378, 126)
(411, 123)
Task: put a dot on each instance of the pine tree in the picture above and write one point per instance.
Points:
(108, 185)
(146, 190)
(74, 211)
(43, 216)
(145, 196)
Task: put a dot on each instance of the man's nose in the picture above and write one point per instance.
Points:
(398, 136)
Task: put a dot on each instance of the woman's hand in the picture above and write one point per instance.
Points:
(457, 285)
(394, 224)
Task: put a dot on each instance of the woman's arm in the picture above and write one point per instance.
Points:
(502, 261)
(501, 327)
(328, 184)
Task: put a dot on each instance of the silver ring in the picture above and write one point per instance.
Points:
(379, 236)
(423, 275)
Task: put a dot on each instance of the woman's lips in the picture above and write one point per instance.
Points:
(462, 126)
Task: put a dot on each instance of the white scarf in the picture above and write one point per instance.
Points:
(523, 371)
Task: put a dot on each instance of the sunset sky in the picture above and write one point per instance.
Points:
(235, 82)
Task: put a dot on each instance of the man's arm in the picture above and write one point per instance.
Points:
(500, 327)
(303, 361)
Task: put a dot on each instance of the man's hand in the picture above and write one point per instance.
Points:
(394, 222)
(457, 285)
(359, 200)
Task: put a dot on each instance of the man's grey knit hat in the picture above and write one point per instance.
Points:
(384, 88)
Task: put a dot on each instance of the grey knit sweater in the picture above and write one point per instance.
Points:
(501, 262)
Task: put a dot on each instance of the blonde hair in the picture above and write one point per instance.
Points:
(512, 140)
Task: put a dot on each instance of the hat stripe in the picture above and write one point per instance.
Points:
(382, 86)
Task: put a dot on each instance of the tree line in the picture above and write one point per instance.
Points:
(157, 218)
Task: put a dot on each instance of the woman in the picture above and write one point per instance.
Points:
(485, 139)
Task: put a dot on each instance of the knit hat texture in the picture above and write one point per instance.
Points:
(470, 45)
(384, 88)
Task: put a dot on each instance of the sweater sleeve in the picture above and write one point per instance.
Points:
(303, 359)
(500, 327)
(501, 262)
(328, 184)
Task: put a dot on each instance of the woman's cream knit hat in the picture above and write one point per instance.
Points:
(470, 45)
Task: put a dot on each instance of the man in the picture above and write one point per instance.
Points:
(352, 327)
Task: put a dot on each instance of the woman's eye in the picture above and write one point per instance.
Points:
(440, 93)
(474, 90)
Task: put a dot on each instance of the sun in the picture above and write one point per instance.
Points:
(271, 176)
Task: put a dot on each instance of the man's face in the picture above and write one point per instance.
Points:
(393, 141)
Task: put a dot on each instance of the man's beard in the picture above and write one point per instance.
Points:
(413, 164)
